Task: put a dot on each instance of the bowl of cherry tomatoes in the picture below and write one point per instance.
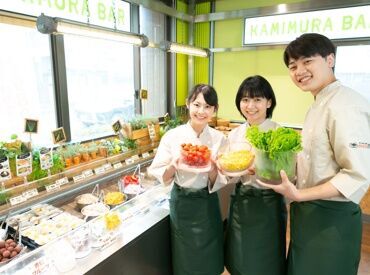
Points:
(195, 156)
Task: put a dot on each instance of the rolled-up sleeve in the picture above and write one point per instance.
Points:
(350, 137)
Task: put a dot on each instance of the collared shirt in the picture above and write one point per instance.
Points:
(170, 149)
(335, 132)
(239, 135)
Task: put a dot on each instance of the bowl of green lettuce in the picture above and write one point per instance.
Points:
(275, 150)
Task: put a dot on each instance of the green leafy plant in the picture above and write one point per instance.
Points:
(4, 196)
(38, 173)
(12, 149)
(169, 124)
(276, 151)
(92, 147)
(137, 123)
(129, 143)
(274, 141)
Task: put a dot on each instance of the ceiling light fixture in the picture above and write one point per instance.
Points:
(184, 49)
(54, 25)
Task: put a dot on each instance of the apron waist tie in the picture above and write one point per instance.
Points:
(191, 191)
(256, 192)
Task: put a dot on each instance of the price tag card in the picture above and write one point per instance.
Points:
(24, 164)
(30, 193)
(40, 266)
(117, 165)
(129, 161)
(78, 178)
(107, 241)
(135, 157)
(99, 170)
(62, 181)
(145, 155)
(17, 200)
(151, 130)
(4, 169)
(88, 173)
(46, 158)
(107, 166)
(52, 187)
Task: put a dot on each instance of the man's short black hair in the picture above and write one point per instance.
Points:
(307, 45)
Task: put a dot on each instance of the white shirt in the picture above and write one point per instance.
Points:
(335, 134)
(239, 135)
(170, 149)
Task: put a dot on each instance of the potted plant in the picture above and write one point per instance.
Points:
(38, 173)
(77, 154)
(136, 128)
(68, 157)
(84, 153)
(93, 150)
(102, 149)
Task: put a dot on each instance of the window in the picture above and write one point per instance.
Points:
(352, 68)
(26, 85)
(153, 64)
(100, 81)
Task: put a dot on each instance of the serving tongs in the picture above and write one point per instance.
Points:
(4, 231)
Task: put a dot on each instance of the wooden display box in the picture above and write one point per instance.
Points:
(142, 136)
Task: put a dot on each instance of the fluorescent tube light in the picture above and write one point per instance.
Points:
(184, 49)
(54, 25)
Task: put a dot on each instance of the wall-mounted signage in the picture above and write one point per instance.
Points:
(335, 23)
(98, 12)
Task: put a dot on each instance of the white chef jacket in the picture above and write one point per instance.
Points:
(170, 149)
(239, 135)
(336, 138)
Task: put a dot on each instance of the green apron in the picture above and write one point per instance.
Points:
(256, 232)
(325, 238)
(196, 232)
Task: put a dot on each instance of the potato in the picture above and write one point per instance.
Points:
(9, 241)
(18, 248)
(6, 254)
(13, 254)
(10, 248)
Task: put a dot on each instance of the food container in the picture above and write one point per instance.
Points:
(80, 241)
(132, 190)
(114, 198)
(268, 169)
(196, 156)
(62, 255)
(95, 209)
(9, 250)
(85, 199)
(235, 157)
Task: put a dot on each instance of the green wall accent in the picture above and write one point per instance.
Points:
(231, 68)
(182, 30)
(201, 39)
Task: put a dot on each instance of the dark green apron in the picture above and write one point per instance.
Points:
(325, 238)
(256, 232)
(196, 232)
